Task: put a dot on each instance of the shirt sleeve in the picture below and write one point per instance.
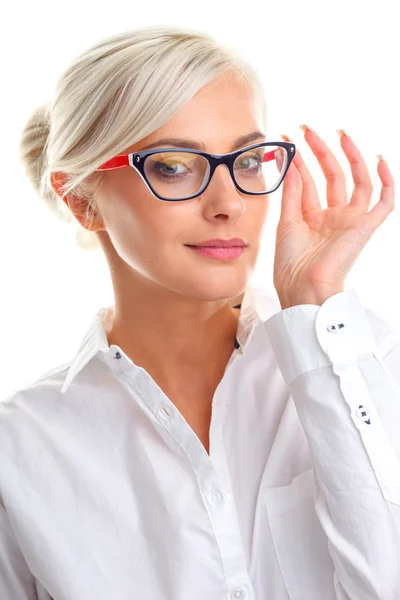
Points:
(346, 389)
(16, 580)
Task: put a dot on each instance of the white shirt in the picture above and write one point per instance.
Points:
(108, 494)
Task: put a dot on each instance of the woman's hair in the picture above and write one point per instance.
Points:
(113, 95)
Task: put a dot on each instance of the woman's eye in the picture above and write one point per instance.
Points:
(250, 161)
(170, 167)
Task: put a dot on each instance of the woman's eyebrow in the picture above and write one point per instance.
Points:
(187, 143)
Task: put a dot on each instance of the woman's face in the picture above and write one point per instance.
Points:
(145, 235)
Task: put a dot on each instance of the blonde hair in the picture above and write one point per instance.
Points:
(111, 96)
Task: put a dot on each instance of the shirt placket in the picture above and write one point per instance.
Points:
(211, 472)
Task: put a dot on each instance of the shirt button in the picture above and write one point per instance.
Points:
(116, 359)
(214, 498)
(238, 594)
(163, 414)
(363, 414)
(334, 326)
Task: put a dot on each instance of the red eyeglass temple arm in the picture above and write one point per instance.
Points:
(115, 163)
(123, 161)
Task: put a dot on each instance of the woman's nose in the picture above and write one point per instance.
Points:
(222, 179)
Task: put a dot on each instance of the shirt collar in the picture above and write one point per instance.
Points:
(256, 306)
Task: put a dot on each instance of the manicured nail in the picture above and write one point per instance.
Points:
(342, 132)
(306, 128)
(380, 157)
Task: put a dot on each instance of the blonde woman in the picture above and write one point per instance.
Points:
(205, 442)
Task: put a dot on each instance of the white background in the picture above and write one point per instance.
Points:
(328, 64)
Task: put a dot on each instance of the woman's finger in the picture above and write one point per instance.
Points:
(363, 187)
(385, 205)
(309, 199)
(336, 191)
(292, 190)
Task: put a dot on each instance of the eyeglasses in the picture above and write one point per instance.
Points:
(174, 174)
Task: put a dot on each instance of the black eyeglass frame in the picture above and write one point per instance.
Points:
(137, 160)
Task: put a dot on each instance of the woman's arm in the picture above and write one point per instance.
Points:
(16, 580)
(348, 403)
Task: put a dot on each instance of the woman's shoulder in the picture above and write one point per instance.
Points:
(23, 401)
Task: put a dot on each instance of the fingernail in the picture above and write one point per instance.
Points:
(306, 128)
(380, 157)
(286, 137)
(342, 132)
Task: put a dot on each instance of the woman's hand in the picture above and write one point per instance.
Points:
(316, 248)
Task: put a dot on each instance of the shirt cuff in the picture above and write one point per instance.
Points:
(307, 336)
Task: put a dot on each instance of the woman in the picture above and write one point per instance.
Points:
(205, 441)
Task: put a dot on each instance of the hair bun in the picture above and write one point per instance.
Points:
(33, 143)
(32, 153)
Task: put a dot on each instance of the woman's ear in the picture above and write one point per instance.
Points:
(78, 206)
(57, 179)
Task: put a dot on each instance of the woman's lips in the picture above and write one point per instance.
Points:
(218, 252)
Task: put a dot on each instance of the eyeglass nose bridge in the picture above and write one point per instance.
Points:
(214, 161)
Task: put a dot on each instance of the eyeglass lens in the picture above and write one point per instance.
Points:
(176, 175)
